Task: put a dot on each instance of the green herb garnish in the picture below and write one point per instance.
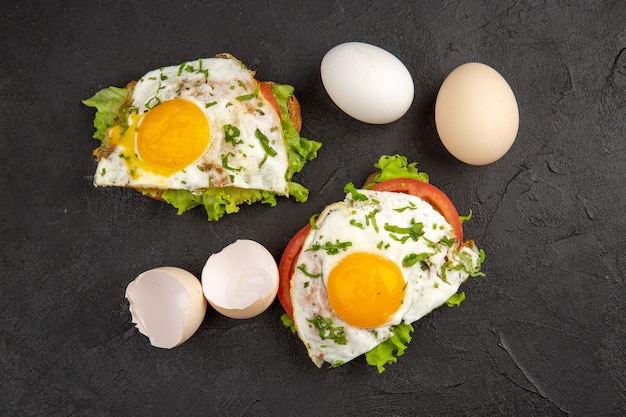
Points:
(265, 143)
(302, 268)
(249, 96)
(415, 231)
(327, 330)
(225, 163)
(370, 218)
(331, 248)
(231, 133)
(413, 258)
(354, 193)
(354, 223)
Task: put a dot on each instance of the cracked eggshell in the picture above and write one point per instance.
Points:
(167, 305)
(241, 281)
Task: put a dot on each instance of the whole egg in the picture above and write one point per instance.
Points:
(476, 114)
(367, 82)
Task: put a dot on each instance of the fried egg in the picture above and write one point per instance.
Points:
(373, 261)
(200, 124)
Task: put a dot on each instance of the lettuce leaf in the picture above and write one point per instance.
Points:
(299, 149)
(107, 103)
(217, 201)
(298, 191)
(387, 352)
(288, 323)
(456, 299)
(396, 166)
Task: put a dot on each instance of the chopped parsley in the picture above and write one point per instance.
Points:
(354, 223)
(354, 193)
(265, 143)
(152, 103)
(370, 218)
(446, 241)
(302, 268)
(415, 231)
(228, 167)
(249, 96)
(411, 206)
(231, 133)
(466, 218)
(288, 323)
(413, 258)
(327, 330)
(331, 248)
(382, 245)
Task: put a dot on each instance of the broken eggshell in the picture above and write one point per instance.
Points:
(167, 305)
(241, 281)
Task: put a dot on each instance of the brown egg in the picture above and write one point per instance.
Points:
(476, 114)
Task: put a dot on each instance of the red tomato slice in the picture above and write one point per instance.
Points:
(428, 192)
(287, 266)
(267, 93)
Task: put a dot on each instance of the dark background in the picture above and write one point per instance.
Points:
(542, 334)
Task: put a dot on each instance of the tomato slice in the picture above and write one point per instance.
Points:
(430, 193)
(286, 267)
(267, 93)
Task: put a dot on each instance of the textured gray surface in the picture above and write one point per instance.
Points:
(542, 334)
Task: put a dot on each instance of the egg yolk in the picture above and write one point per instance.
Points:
(172, 135)
(365, 289)
(163, 140)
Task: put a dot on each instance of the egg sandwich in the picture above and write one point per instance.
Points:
(355, 278)
(202, 133)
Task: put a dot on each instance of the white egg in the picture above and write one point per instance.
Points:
(241, 281)
(367, 82)
(166, 305)
(476, 114)
(370, 264)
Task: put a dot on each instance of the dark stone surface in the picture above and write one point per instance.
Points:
(542, 334)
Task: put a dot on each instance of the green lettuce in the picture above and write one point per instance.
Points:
(299, 149)
(218, 201)
(456, 299)
(396, 166)
(288, 323)
(107, 103)
(387, 352)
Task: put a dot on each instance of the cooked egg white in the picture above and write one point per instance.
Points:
(196, 125)
(372, 263)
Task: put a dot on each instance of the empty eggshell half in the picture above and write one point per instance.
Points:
(241, 281)
(167, 305)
